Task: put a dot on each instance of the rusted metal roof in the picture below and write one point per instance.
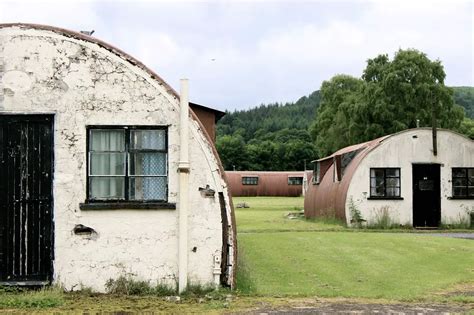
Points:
(329, 196)
(353, 147)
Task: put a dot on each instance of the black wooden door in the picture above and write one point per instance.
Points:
(26, 216)
(426, 195)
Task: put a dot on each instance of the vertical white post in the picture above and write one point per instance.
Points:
(183, 169)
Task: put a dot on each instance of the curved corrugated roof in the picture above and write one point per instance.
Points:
(329, 194)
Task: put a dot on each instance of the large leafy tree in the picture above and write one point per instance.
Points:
(392, 95)
(334, 126)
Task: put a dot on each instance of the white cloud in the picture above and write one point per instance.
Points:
(240, 54)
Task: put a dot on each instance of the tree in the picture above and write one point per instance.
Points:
(331, 129)
(232, 152)
(392, 96)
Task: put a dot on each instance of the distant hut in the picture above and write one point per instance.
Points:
(249, 183)
(398, 176)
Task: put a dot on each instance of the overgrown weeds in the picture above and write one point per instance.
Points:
(356, 216)
(462, 222)
(382, 219)
(126, 285)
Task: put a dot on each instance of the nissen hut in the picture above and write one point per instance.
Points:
(408, 177)
(104, 169)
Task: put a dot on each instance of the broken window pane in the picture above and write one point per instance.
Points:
(459, 172)
(463, 182)
(385, 182)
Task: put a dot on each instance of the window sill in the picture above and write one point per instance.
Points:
(461, 198)
(385, 198)
(127, 205)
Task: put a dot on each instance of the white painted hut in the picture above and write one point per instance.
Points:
(397, 176)
(104, 169)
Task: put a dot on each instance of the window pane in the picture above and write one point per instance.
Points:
(393, 192)
(107, 188)
(107, 140)
(393, 182)
(148, 164)
(148, 139)
(459, 191)
(459, 182)
(377, 192)
(470, 176)
(107, 163)
(392, 172)
(377, 173)
(250, 180)
(148, 188)
(459, 172)
(295, 180)
(470, 191)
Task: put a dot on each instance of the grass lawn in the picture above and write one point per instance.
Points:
(298, 258)
(296, 262)
(268, 214)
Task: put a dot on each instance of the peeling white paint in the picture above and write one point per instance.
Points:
(85, 84)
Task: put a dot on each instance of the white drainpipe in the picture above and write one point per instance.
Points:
(183, 169)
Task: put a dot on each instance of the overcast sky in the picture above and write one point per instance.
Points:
(240, 54)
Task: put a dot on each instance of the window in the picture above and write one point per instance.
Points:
(316, 172)
(127, 164)
(384, 182)
(463, 182)
(250, 180)
(295, 180)
(347, 158)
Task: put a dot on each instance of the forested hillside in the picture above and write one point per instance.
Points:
(270, 137)
(276, 136)
(259, 121)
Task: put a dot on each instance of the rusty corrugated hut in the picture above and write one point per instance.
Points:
(250, 183)
(417, 177)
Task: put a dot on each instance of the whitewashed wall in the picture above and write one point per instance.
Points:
(401, 150)
(84, 84)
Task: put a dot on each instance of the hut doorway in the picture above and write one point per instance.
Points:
(426, 195)
(26, 199)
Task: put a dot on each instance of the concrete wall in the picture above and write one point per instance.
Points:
(83, 83)
(402, 150)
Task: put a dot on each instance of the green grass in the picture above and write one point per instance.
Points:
(283, 257)
(269, 214)
(45, 298)
(367, 265)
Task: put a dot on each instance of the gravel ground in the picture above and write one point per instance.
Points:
(469, 236)
(348, 308)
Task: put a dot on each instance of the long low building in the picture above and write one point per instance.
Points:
(249, 183)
